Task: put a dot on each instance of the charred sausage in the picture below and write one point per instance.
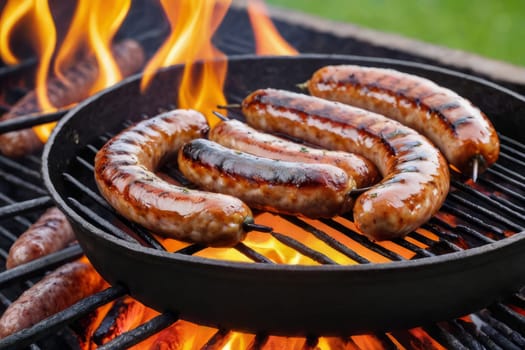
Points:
(129, 57)
(124, 172)
(237, 135)
(416, 176)
(312, 190)
(460, 130)
(55, 292)
(50, 233)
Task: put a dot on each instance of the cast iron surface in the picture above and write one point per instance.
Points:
(285, 299)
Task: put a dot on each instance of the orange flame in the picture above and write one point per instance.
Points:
(268, 41)
(38, 15)
(92, 29)
(102, 19)
(14, 12)
(193, 24)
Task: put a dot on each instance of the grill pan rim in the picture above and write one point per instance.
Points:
(471, 260)
(393, 264)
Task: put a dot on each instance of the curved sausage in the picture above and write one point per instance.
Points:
(460, 130)
(55, 292)
(124, 174)
(129, 56)
(50, 233)
(312, 190)
(416, 176)
(237, 135)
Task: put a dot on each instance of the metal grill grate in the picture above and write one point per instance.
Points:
(485, 215)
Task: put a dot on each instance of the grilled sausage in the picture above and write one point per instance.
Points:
(237, 135)
(55, 292)
(50, 233)
(129, 57)
(416, 176)
(460, 130)
(124, 175)
(312, 190)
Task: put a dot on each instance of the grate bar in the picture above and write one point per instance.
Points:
(511, 158)
(17, 68)
(509, 316)
(303, 249)
(86, 164)
(465, 336)
(514, 143)
(482, 338)
(516, 182)
(365, 242)
(106, 225)
(498, 169)
(34, 159)
(507, 191)
(465, 229)
(490, 200)
(502, 328)
(327, 239)
(385, 341)
(25, 207)
(481, 210)
(141, 232)
(191, 249)
(17, 181)
(87, 191)
(252, 254)
(216, 339)
(61, 319)
(35, 267)
(431, 243)
(508, 203)
(7, 234)
(458, 213)
(443, 336)
(518, 156)
(19, 219)
(495, 335)
(412, 247)
(142, 332)
(258, 342)
(19, 168)
(30, 120)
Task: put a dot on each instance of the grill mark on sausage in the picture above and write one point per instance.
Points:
(50, 233)
(129, 57)
(268, 184)
(239, 136)
(124, 173)
(461, 131)
(416, 176)
(55, 292)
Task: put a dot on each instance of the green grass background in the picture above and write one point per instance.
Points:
(491, 28)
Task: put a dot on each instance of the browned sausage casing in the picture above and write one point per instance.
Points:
(237, 135)
(124, 172)
(312, 190)
(416, 176)
(55, 292)
(460, 130)
(50, 233)
(129, 57)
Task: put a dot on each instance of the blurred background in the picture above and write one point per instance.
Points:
(491, 28)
